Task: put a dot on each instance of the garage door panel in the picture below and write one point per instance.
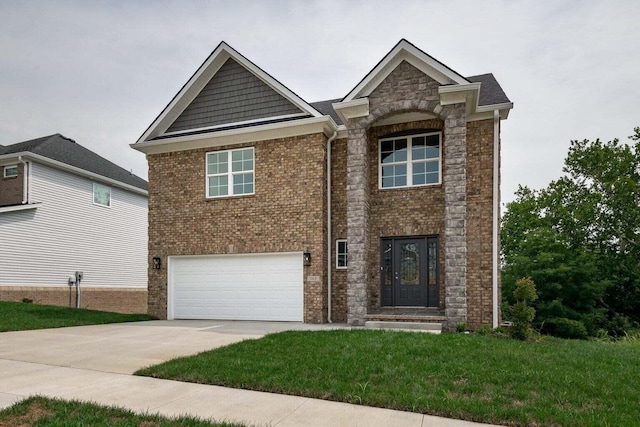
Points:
(240, 287)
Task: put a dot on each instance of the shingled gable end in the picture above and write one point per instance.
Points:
(381, 205)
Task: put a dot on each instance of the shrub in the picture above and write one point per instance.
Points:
(521, 311)
(565, 328)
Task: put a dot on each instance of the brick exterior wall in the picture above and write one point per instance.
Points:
(115, 300)
(479, 222)
(11, 188)
(414, 211)
(286, 214)
(338, 227)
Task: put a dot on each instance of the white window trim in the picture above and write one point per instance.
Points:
(409, 161)
(9, 167)
(229, 173)
(338, 266)
(93, 195)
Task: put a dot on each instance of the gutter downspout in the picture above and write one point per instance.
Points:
(496, 212)
(329, 240)
(25, 181)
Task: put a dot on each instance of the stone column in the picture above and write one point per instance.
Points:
(357, 223)
(455, 240)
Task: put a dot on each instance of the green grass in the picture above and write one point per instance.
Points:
(496, 380)
(44, 412)
(19, 316)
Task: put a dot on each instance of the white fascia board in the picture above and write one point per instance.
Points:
(77, 171)
(503, 108)
(343, 132)
(19, 207)
(200, 79)
(405, 51)
(352, 109)
(324, 124)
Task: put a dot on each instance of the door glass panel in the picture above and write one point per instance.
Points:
(432, 267)
(387, 259)
(410, 264)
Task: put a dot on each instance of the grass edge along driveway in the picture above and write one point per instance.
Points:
(471, 377)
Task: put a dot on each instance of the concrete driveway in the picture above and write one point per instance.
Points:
(124, 348)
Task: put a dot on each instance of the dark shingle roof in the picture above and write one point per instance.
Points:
(326, 108)
(490, 94)
(65, 150)
(490, 91)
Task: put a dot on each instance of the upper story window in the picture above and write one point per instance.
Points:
(101, 195)
(230, 172)
(10, 171)
(410, 161)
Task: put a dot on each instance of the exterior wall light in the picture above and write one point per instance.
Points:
(157, 263)
(306, 259)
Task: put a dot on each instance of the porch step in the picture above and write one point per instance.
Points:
(431, 327)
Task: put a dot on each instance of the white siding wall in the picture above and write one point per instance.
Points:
(68, 233)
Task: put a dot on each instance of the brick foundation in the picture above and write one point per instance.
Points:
(128, 300)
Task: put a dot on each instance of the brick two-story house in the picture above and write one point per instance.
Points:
(263, 206)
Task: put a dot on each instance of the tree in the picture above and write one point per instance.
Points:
(578, 238)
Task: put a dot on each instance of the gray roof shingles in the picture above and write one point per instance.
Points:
(65, 150)
(491, 93)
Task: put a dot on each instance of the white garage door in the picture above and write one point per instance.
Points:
(237, 287)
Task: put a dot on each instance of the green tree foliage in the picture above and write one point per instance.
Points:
(522, 312)
(578, 239)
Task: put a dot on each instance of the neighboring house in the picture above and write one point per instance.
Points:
(64, 209)
(245, 222)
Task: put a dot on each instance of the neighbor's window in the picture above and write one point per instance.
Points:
(341, 254)
(410, 161)
(10, 171)
(230, 173)
(101, 195)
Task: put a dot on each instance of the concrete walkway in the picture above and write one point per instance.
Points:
(94, 363)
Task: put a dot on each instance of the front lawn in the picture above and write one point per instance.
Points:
(487, 379)
(44, 412)
(19, 316)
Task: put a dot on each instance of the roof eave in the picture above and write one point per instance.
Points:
(75, 170)
(323, 124)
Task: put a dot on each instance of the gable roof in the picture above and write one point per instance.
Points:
(404, 51)
(65, 150)
(199, 92)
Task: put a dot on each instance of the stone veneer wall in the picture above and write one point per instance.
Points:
(129, 300)
(287, 212)
(455, 199)
(414, 211)
(11, 188)
(406, 89)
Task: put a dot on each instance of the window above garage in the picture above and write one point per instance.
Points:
(230, 173)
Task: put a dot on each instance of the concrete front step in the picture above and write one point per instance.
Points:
(417, 318)
(431, 327)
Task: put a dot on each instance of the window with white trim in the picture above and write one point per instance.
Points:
(410, 161)
(10, 171)
(230, 173)
(101, 195)
(342, 259)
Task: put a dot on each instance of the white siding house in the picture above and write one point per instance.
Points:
(62, 230)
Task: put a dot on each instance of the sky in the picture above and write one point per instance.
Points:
(100, 72)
